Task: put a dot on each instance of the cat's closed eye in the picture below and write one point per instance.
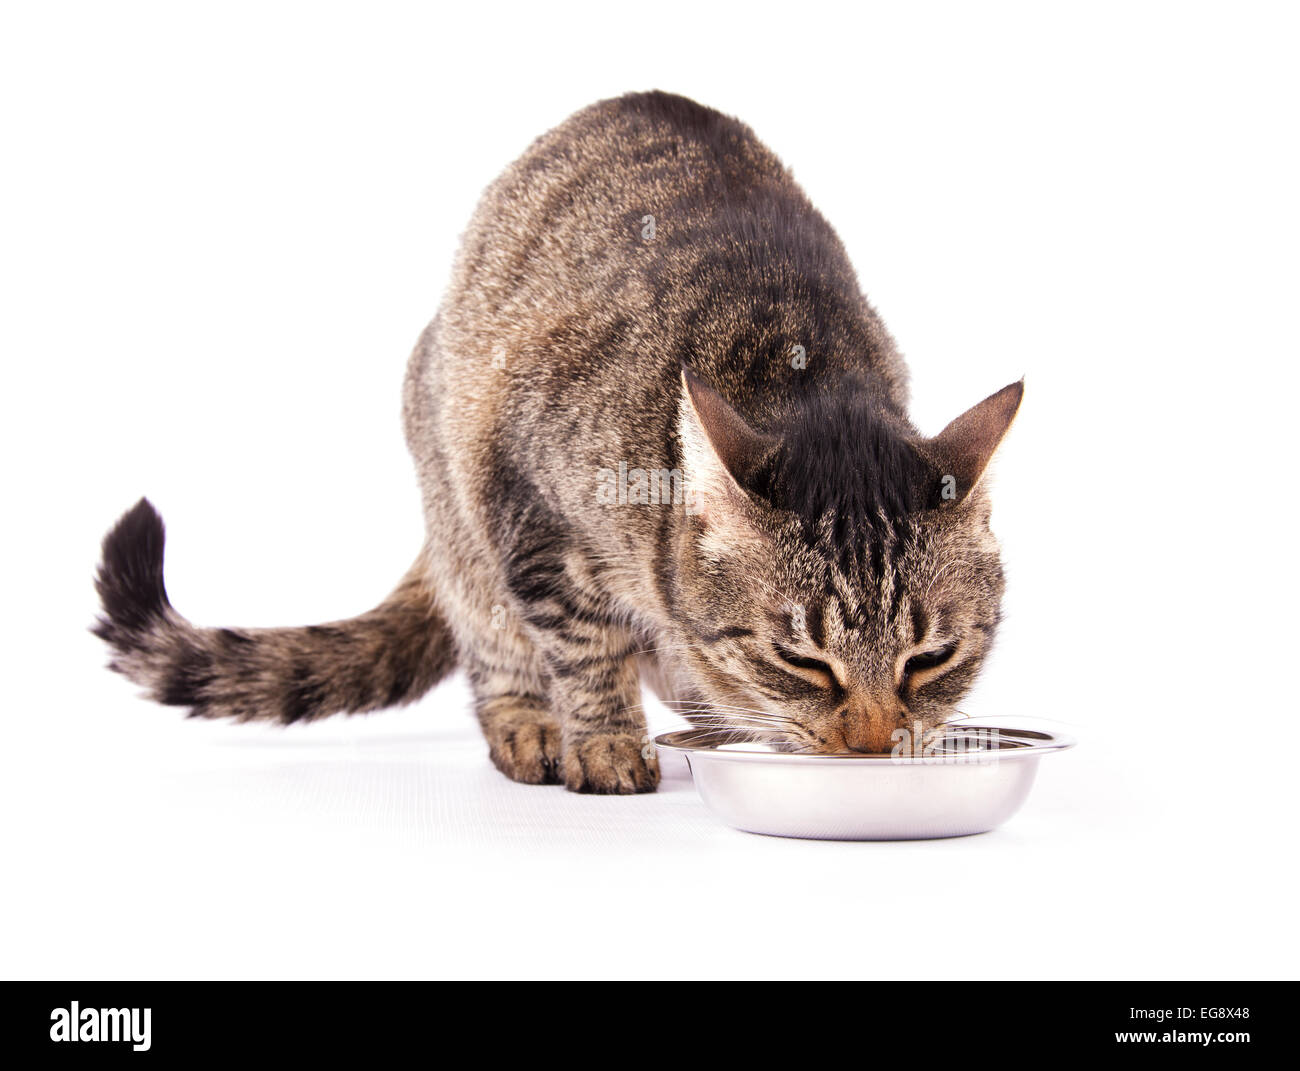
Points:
(919, 663)
(814, 665)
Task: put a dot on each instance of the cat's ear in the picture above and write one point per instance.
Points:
(721, 452)
(963, 449)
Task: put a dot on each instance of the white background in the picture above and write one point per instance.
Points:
(222, 233)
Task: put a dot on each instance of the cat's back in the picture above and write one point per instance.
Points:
(643, 233)
(592, 204)
(589, 183)
(633, 217)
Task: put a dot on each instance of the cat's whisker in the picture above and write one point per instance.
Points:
(736, 706)
(755, 715)
(759, 730)
(752, 716)
(708, 719)
(722, 711)
(710, 703)
(695, 712)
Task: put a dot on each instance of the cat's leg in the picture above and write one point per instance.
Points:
(511, 697)
(473, 524)
(523, 736)
(505, 670)
(557, 695)
(595, 687)
(590, 657)
(554, 671)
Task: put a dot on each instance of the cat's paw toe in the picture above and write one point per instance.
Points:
(527, 751)
(610, 763)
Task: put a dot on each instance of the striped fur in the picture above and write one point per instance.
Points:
(646, 287)
(391, 655)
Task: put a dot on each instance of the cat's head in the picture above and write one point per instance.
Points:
(838, 577)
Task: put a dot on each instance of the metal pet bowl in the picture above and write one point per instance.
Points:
(972, 778)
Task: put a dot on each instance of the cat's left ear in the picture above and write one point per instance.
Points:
(721, 451)
(963, 449)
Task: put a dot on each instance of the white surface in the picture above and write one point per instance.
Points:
(221, 236)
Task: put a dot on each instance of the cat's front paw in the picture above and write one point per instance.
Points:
(610, 763)
(525, 749)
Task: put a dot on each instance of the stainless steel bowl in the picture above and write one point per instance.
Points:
(972, 778)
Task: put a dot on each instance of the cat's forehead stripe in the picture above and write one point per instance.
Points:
(815, 620)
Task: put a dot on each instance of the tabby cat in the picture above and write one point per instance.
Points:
(660, 435)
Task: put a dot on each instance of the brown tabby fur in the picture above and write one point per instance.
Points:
(827, 575)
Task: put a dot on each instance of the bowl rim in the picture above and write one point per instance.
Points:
(1029, 743)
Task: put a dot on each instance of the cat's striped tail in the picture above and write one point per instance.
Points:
(390, 655)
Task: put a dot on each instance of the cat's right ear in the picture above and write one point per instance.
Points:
(963, 449)
(721, 452)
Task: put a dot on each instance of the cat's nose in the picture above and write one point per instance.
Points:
(870, 729)
(870, 735)
(872, 739)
